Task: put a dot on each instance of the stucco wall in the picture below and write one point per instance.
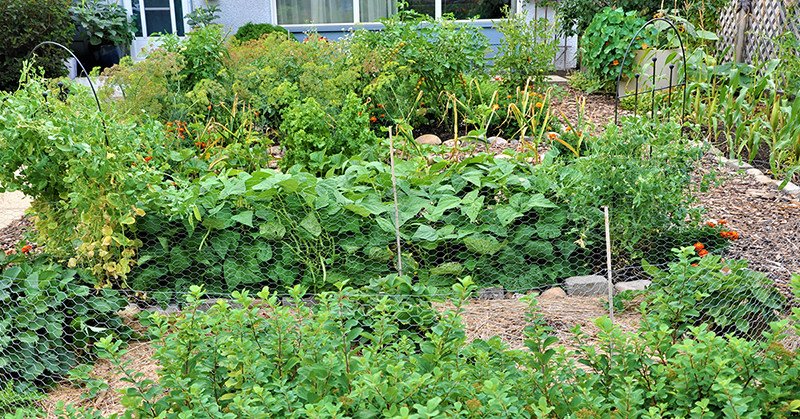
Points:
(235, 13)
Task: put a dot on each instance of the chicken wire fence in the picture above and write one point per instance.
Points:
(52, 314)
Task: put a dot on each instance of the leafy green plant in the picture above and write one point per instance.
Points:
(204, 50)
(526, 50)
(251, 31)
(25, 24)
(605, 42)
(203, 16)
(49, 320)
(103, 23)
(724, 295)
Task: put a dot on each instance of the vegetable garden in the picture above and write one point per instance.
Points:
(289, 183)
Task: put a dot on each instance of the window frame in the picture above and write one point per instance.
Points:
(348, 26)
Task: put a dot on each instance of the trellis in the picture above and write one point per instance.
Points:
(748, 29)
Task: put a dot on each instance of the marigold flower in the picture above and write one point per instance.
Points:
(615, 62)
(169, 124)
(495, 107)
(698, 246)
(694, 264)
(567, 129)
(539, 104)
(702, 253)
(722, 222)
(25, 249)
(552, 135)
(373, 119)
(508, 96)
(711, 224)
(148, 158)
(383, 115)
(209, 107)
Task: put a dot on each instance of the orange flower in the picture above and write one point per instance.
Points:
(553, 135)
(567, 129)
(508, 96)
(615, 62)
(383, 115)
(495, 107)
(373, 119)
(9, 252)
(702, 253)
(148, 158)
(539, 104)
(25, 249)
(694, 264)
(698, 246)
(711, 224)
(169, 124)
(722, 222)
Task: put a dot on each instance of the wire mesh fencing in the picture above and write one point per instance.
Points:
(53, 313)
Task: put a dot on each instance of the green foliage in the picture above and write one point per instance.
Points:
(429, 57)
(252, 31)
(103, 23)
(70, 158)
(203, 50)
(203, 16)
(723, 295)
(605, 41)
(526, 50)
(291, 361)
(641, 172)
(26, 23)
(49, 320)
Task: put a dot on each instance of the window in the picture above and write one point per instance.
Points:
(299, 12)
(158, 16)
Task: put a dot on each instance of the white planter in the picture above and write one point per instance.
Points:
(643, 64)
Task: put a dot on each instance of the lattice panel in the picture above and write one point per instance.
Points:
(767, 20)
(727, 34)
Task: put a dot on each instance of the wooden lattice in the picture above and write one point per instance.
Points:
(765, 22)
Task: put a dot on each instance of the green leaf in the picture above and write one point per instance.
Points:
(311, 224)
(224, 241)
(426, 233)
(179, 259)
(245, 217)
(483, 244)
(272, 230)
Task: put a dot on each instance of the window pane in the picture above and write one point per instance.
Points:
(179, 18)
(372, 10)
(483, 9)
(156, 3)
(425, 7)
(157, 21)
(137, 17)
(314, 11)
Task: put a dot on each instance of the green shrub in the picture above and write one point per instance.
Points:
(204, 50)
(50, 320)
(251, 31)
(606, 40)
(526, 50)
(26, 23)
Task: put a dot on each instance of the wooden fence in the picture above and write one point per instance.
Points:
(748, 33)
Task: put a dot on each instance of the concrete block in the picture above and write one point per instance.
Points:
(585, 286)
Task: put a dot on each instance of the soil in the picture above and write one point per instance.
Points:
(767, 220)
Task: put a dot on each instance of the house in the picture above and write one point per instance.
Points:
(330, 18)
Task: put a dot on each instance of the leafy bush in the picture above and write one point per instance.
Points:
(293, 361)
(49, 320)
(26, 23)
(204, 50)
(723, 295)
(251, 31)
(527, 49)
(606, 40)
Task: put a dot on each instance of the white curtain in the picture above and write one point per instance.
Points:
(372, 10)
(314, 11)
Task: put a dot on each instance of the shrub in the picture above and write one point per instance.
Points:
(527, 49)
(605, 42)
(251, 31)
(49, 320)
(204, 50)
(26, 23)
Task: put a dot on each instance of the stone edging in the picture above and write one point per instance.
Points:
(759, 176)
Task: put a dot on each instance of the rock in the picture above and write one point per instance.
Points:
(428, 139)
(736, 165)
(492, 293)
(307, 301)
(764, 179)
(449, 143)
(639, 285)
(130, 311)
(497, 141)
(276, 149)
(555, 292)
(513, 143)
(791, 189)
(585, 286)
(171, 309)
(754, 172)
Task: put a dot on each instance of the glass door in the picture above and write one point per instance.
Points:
(154, 17)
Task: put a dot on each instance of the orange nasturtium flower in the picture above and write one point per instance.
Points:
(25, 249)
(702, 253)
(567, 129)
(148, 158)
(539, 104)
(698, 246)
(615, 62)
(553, 135)
(373, 119)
